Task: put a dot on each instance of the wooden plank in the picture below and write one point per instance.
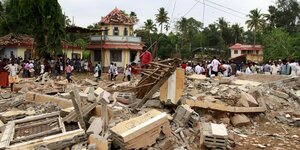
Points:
(37, 123)
(77, 106)
(33, 144)
(224, 108)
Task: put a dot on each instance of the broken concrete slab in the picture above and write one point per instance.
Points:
(5, 95)
(224, 108)
(101, 142)
(240, 120)
(280, 94)
(41, 98)
(91, 82)
(247, 100)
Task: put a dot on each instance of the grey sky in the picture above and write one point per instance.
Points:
(86, 12)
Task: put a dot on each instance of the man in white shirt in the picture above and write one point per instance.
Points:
(198, 69)
(248, 70)
(13, 74)
(215, 66)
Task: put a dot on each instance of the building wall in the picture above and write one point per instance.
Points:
(18, 52)
(121, 29)
(255, 58)
(235, 55)
(68, 52)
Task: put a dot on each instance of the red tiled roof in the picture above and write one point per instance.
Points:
(16, 40)
(116, 16)
(116, 46)
(239, 46)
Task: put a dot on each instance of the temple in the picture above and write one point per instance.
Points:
(116, 42)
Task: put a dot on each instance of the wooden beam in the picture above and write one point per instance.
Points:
(224, 108)
(161, 65)
(36, 124)
(30, 137)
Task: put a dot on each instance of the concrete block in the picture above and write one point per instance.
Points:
(101, 143)
(95, 127)
(240, 120)
(182, 114)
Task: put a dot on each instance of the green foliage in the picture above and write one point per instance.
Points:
(278, 44)
(41, 19)
(86, 54)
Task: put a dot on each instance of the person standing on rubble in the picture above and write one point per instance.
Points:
(145, 58)
(215, 63)
(198, 69)
(285, 68)
(111, 71)
(3, 74)
(68, 72)
(13, 74)
(248, 69)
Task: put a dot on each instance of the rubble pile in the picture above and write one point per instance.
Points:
(163, 110)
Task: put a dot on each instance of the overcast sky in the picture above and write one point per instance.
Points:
(87, 12)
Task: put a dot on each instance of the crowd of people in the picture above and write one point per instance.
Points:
(228, 68)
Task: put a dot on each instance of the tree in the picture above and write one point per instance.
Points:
(278, 44)
(287, 15)
(256, 22)
(133, 17)
(237, 31)
(41, 19)
(187, 29)
(270, 18)
(162, 17)
(149, 27)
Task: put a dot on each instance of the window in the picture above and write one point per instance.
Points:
(125, 31)
(116, 31)
(106, 31)
(97, 55)
(116, 55)
(244, 52)
(236, 51)
(257, 52)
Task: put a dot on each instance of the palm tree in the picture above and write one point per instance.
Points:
(237, 31)
(271, 16)
(222, 25)
(162, 17)
(149, 27)
(256, 21)
(133, 17)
